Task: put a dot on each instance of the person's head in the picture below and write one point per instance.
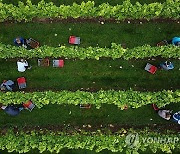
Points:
(18, 40)
(3, 107)
(168, 63)
(4, 81)
(21, 60)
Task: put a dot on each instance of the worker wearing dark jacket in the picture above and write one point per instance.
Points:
(12, 110)
(19, 41)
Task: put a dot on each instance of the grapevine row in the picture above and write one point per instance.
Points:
(134, 99)
(23, 142)
(116, 51)
(28, 11)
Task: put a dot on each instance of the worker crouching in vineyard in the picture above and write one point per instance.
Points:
(29, 43)
(12, 110)
(167, 65)
(19, 41)
(174, 41)
(22, 65)
(167, 114)
(7, 85)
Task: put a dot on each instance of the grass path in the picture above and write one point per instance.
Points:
(92, 34)
(64, 115)
(94, 75)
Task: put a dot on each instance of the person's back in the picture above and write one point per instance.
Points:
(7, 85)
(11, 110)
(19, 41)
(167, 65)
(176, 41)
(22, 65)
(165, 114)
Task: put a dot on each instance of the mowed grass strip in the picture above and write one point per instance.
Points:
(92, 34)
(64, 115)
(94, 75)
(70, 2)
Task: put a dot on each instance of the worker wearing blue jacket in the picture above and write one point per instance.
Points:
(7, 85)
(19, 41)
(176, 41)
(12, 110)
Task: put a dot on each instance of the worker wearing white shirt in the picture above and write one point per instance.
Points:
(165, 114)
(22, 65)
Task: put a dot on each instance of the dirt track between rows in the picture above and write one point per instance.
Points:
(100, 20)
(175, 128)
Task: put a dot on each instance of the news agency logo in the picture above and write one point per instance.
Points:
(132, 140)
